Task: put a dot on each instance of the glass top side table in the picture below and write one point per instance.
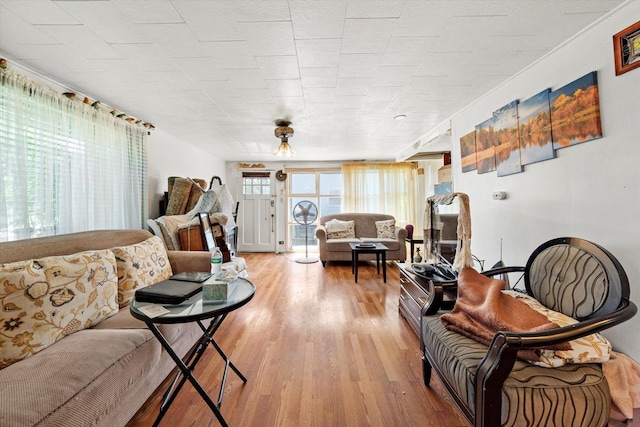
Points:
(196, 310)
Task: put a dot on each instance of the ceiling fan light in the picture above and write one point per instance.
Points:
(284, 150)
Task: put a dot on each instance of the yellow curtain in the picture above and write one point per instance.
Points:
(381, 188)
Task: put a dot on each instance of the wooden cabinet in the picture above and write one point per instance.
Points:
(191, 239)
(419, 296)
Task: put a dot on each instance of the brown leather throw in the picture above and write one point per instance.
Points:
(482, 309)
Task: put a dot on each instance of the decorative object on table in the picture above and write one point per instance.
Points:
(575, 112)
(284, 131)
(305, 213)
(626, 49)
(417, 257)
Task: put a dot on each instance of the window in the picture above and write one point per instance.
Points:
(324, 189)
(256, 183)
(66, 166)
(381, 188)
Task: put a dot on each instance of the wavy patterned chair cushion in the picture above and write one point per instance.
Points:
(43, 300)
(571, 395)
(590, 349)
(140, 265)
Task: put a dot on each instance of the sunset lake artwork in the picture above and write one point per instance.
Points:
(485, 146)
(468, 151)
(575, 112)
(535, 129)
(507, 151)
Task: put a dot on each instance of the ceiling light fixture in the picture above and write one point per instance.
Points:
(284, 131)
(400, 117)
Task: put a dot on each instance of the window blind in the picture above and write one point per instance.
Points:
(66, 166)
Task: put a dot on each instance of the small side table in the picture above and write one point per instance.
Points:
(195, 310)
(379, 249)
(412, 243)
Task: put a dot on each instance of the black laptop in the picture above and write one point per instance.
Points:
(168, 291)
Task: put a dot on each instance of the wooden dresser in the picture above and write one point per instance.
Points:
(418, 293)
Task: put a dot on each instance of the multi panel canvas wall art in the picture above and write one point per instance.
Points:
(575, 112)
(530, 132)
(485, 146)
(535, 129)
(468, 152)
(506, 140)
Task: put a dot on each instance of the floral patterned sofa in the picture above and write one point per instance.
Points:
(70, 352)
(333, 242)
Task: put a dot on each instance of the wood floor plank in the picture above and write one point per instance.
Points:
(317, 350)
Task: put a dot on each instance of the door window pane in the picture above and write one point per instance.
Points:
(256, 186)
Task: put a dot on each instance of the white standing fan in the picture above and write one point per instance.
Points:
(305, 213)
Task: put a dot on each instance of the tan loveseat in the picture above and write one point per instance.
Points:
(97, 376)
(338, 249)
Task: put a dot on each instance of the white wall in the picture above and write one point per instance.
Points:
(171, 156)
(590, 190)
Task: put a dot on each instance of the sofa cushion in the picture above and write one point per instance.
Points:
(125, 320)
(77, 379)
(337, 229)
(386, 229)
(139, 265)
(341, 245)
(593, 348)
(46, 299)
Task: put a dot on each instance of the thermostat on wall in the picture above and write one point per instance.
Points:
(499, 195)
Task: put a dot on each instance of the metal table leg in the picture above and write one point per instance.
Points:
(187, 368)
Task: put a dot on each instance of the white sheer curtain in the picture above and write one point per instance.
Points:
(381, 188)
(66, 166)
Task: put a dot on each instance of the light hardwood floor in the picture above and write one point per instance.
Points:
(317, 350)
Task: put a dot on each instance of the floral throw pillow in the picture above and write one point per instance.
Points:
(593, 348)
(44, 300)
(386, 229)
(140, 265)
(337, 229)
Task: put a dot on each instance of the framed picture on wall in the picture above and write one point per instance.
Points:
(486, 146)
(507, 150)
(468, 151)
(534, 118)
(626, 49)
(575, 112)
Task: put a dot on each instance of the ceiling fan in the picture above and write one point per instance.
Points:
(284, 131)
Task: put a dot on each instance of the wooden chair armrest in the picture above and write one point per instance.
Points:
(503, 270)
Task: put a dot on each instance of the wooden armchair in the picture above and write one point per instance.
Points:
(492, 388)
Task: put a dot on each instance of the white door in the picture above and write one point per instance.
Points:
(257, 212)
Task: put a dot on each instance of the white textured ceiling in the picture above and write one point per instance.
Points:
(219, 73)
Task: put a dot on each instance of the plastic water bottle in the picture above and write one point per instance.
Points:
(216, 261)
